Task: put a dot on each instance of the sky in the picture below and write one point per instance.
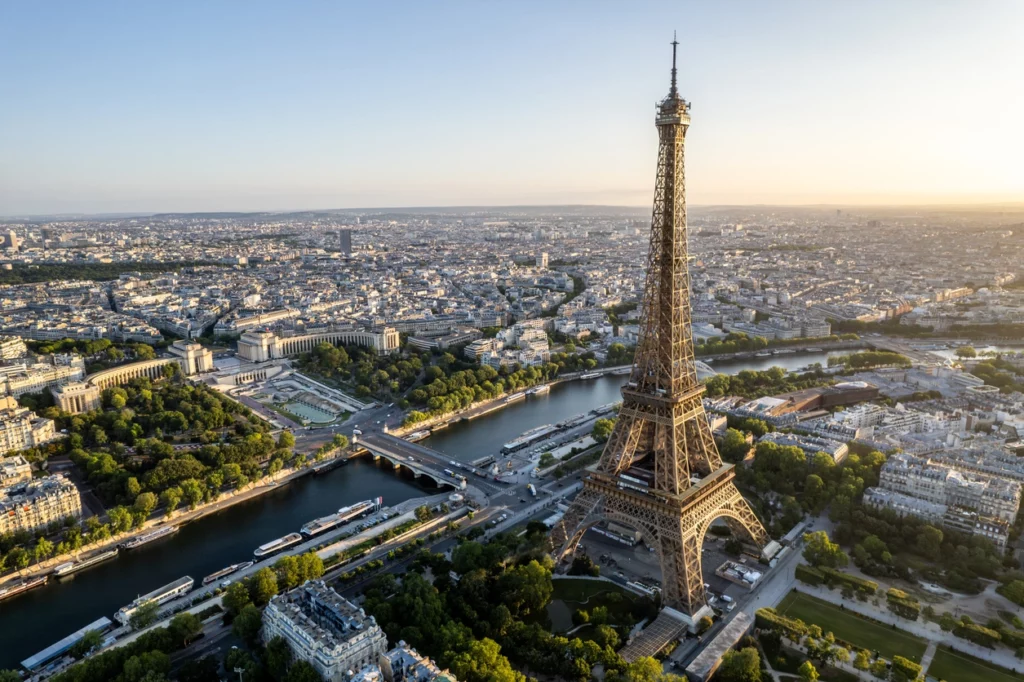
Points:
(240, 106)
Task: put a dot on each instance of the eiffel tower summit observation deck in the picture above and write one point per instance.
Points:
(662, 426)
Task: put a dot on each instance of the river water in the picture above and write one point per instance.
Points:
(34, 620)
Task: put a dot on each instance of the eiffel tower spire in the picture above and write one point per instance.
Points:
(662, 427)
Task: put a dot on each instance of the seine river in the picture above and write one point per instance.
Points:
(38, 618)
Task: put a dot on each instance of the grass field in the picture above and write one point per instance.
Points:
(569, 595)
(955, 668)
(852, 628)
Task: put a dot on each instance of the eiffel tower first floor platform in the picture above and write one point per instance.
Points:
(672, 525)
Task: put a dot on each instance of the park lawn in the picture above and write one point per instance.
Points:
(572, 594)
(952, 667)
(851, 628)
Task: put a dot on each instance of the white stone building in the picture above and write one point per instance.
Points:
(324, 629)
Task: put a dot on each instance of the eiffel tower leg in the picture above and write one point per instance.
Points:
(682, 585)
(748, 525)
(622, 445)
(568, 532)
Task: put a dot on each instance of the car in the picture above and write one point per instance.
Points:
(522, 500)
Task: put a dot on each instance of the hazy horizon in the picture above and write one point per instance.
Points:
(114, 108)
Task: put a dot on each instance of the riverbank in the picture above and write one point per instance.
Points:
(257, 488)
(485, 407)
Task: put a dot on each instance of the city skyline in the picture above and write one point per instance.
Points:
(203, 109)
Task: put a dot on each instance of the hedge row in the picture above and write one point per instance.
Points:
(832, 576)
(979, 635)
(1012, 638)
(910, 670)
(902, 604)
(792, 628)
(809, 575)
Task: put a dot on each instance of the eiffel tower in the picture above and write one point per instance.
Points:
(662, 425)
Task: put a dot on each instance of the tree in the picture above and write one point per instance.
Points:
(10, 676)
(740, 666)
(278, 657)
(89, 641)
(171, 498)
(605, 636)
(807, 672)
(145, 503)
(482, 662)
(929, 542)
(184, 627)
(734, 446)
(145, 615)
(120, 519)
(302, 671)
(704, 624)
(862, 661)
(236, 598)
(247, 624)
(193, 492)
(263, 586)
(43, 550)
(966, 352)
(602, 429)
(820, 551)
(286, 441)
(422, 513)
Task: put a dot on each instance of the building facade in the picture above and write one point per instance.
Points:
(14, 470)
(264, 346)
(325, 630)
(193, 357)
(21, 428)
(965, 501)
(33, 506)
(77, 397)
(12, 348)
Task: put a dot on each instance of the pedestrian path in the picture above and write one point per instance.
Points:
(929, 654)
(1002, 657)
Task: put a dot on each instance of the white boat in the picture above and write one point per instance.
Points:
(275, 546)
(233, 568)
(160, 595)
(24, 585)
(148, 536)
(341, 517)
(70, 567)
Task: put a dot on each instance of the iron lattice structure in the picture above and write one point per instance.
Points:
(662, 419)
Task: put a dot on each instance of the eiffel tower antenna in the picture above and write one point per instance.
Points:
(662, 428)
(673, 91)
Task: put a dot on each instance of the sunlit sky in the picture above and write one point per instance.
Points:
(199, 106)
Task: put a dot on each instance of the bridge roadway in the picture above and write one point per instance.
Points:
(423, 461)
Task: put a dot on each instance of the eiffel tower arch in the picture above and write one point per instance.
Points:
(662, 426)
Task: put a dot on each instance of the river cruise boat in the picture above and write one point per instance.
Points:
(161, 595)
(148, 536)
(23, 586)
(233, 568)
(275, 546)
(70, 567)
(341, 517)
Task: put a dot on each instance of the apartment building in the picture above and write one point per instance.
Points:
(14, 470)
(19, 379)
(325, 630)
(965, 501)
(21, 428)
(12, 348)
(33, 506)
